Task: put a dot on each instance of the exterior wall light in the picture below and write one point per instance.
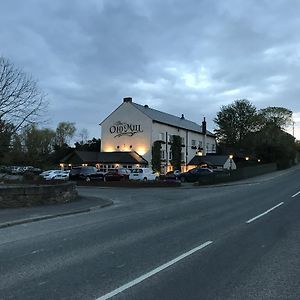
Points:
(247, 158)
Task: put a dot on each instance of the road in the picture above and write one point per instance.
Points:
(230, 242)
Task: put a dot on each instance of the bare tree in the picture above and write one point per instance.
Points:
(21, 101)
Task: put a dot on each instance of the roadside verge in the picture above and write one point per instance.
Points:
(17, 216)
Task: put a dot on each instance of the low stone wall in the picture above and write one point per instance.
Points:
(32, 195)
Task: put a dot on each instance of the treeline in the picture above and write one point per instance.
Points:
(42, 147)
(244, 130)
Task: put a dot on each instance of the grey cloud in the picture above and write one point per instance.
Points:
(181, 57)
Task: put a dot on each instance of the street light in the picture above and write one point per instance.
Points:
(247, 158)
(230, 161)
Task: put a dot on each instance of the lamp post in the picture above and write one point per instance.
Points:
(230, 162)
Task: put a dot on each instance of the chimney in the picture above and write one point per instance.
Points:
(127, 100)
(146, 106)
(182, 117)
(204, 126)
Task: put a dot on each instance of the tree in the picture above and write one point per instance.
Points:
(65, 131)
(156, 156)
(83, 135)
(93, 145)
(279, 116)
(21, 101)
(176, 152)
(38, 144)
(235, 121)
(5, 137)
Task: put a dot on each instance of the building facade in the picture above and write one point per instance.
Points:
(135, 127)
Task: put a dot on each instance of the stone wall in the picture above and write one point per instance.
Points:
(32, 195)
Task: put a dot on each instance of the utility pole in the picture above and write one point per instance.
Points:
(293, 128)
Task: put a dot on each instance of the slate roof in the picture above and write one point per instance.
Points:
(169, 119)
(212, 160)
(86, 157)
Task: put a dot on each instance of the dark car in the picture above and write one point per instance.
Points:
(195, 174)
(85, 173)
(117, 175)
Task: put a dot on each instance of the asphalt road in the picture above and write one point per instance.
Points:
(230, 242)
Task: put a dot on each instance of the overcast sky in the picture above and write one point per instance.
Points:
(177, 56)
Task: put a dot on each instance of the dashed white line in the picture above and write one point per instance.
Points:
(264, 213)
(153, 272)
(296, 194)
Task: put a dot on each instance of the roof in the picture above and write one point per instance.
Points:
(80, 157)
(169, 119)
(212, 160)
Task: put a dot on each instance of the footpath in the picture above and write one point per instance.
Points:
(16, 216)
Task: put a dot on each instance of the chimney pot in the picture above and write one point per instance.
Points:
(127, 100)
(182, 116)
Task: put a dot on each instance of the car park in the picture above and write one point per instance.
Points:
(86, 173)
(195, 174)
(143, 174)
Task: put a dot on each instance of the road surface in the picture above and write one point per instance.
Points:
(230, 242)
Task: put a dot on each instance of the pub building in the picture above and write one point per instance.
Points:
(128, 134)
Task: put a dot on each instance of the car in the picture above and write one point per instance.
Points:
(194, 174)
(117, 175)
(172, 175)
(85, 173)
(64, 175)
(143, 174)
(51, 174)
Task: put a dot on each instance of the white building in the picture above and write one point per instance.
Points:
(135, 127)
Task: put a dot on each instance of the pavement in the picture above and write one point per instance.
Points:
(17, 216)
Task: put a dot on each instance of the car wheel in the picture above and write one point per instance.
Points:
(182, 179)
(87, 179)
(145, 179)
(156, 178)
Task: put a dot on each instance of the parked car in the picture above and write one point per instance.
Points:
(172, 175)
(194, 174)
(64, 175)
(117, 175)
(143, 174)
(51, 174)
(85, 173)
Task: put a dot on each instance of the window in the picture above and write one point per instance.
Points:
(182, 156)
(213, 148)
(170, 155)
(170, 138)
(162, 154)
(200, 144)
(193, 143)
(182, 140)
(207, 147)
(161, 136)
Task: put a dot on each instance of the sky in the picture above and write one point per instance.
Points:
(182, 57)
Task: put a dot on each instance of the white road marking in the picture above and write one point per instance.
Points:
(264, 213)
(153, 272)
(296, 194)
